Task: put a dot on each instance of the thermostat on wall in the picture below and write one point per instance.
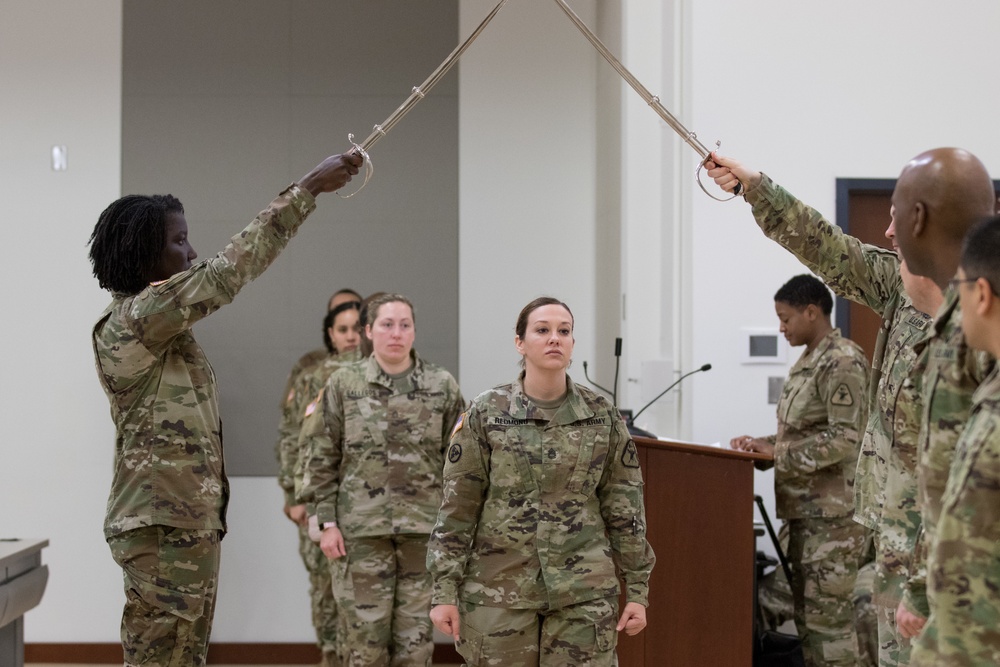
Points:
(763, 346)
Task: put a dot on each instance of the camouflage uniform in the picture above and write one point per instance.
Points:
(964, 563)
(820, 415)
(169, 469)
(376, 470)
(542, 513)
(885, 491)
(306, 363)
(302, 397)
(953, 371)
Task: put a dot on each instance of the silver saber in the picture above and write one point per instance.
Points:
(417, 94)
(690, 138)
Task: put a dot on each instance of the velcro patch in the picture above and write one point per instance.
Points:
(455, 453)
(458, 425)
(842, 396)
(630, 456)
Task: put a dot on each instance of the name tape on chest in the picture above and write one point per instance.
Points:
(511, 421)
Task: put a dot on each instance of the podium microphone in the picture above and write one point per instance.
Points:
(612, 393)
(618, 361)
(630, 420)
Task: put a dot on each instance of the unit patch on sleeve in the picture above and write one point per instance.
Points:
(455, 453)
(842, 396)
(630, 456)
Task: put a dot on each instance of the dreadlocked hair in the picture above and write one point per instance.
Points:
(128, 240)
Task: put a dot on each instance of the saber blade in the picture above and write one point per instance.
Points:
(420, 91)
(690, 138)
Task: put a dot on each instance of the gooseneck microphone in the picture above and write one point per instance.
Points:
(613, 393)
(706, 367)
(618, 361)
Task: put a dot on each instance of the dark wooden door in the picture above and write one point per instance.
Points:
(863, 212)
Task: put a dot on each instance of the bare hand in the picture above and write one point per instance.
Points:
(332, 173)
(633, 619)
(747, 443)
(908, 623)
(315, 534)
(297, 513)
(332, 543)
(445, 618)
(728, 173)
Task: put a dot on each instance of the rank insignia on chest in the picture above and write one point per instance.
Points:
(842, 396)
(630, 456)
(455, 453)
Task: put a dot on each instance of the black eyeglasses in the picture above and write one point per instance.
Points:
(955, 282)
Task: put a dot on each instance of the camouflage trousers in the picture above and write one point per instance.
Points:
(324, 605)
(383, 593)
(893, 648)
(824, 554)
(171, 577)
(866, 619)
(580, 634)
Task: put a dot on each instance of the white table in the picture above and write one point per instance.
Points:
(22, 583)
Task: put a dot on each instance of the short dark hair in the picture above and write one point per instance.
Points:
(331, 317)
(128, 240)
(981, 252)
(805, 290)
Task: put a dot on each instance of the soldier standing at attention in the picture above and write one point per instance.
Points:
(886, 481)
(939, 195)
(821, 414)
(313, 357)
(374, 475)
(542, 483)
(963, 565)
(167, 509)
(342, 331)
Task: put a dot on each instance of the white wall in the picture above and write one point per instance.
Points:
(60, 77)
(807, 91)
(526, 190)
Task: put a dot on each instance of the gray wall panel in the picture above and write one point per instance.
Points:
(226, 102)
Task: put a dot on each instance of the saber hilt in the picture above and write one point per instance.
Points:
(416, 94)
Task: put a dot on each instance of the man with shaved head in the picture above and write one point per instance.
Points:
(939, 196)
(940, 193)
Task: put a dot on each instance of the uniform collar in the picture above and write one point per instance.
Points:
(375, 375)
(947, 309)
(824, 345)
(573, 409)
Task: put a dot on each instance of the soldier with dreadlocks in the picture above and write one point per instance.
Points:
(166, 513)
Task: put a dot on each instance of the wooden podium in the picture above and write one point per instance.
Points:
(699, 515)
